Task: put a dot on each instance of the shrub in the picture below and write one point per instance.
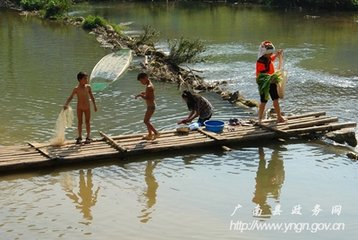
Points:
(50, 7)
(93, 22)
(149, 36)
(56, 7)
(32, 5)
(117, 28)
(184, 50)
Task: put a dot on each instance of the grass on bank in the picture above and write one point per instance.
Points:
(92, 22)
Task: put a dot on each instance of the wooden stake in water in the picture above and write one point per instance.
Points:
(64, 120)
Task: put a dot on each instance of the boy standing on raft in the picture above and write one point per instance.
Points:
(149, 98)
(84, 94)
(267, 78)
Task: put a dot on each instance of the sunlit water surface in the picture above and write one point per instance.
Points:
(181, 195)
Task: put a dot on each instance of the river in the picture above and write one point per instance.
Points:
(306, 188)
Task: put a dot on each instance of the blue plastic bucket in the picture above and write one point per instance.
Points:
(214, 125)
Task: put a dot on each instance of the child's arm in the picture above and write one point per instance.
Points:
(142, 95)
(92, 98)
(148, 94)
(69, 99)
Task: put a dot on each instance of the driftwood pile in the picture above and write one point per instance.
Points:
(158, 66)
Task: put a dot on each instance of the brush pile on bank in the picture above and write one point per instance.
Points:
(167, 67)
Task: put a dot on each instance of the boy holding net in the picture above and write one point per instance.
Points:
(84, 95)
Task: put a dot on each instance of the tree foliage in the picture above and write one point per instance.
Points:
(50, 8)
(57, 7)
(32, 5)
(318, 4)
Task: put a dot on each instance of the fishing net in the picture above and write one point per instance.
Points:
(64, 120)
(109, 69)
(281, 85)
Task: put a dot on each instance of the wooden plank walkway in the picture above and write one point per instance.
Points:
(37, 155)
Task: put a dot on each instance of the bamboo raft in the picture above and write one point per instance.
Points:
(35, 155)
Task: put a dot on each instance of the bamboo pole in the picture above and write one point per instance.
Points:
(210, 135)
(263, 135)
(45, 153)
(271, 128)
(166, 139)
(139, 135)
(330, 127)
(13, 153)
(312, 123)
(27, 158)
(312, 114)
(112, 142)
(157, 144)
(301, 120)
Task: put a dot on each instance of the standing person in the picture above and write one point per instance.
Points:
(267, 79)
(149, 98)
(84, 94)
(198, 106)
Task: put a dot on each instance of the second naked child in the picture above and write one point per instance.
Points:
(149, 98)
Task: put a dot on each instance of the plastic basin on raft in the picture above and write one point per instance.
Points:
(214, 125)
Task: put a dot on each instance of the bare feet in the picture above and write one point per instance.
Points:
(156, 135)
(281, 120)
(147, 137)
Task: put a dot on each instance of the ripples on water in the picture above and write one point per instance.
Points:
(178, 195)
(189, 195)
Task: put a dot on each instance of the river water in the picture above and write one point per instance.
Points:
(306, 188)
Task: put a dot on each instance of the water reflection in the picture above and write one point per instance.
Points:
(151, 193)
(269, 180)
(86, 198)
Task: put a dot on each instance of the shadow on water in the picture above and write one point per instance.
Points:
(86, 197)
(270, 177)
(150, 194)
(265, 162)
